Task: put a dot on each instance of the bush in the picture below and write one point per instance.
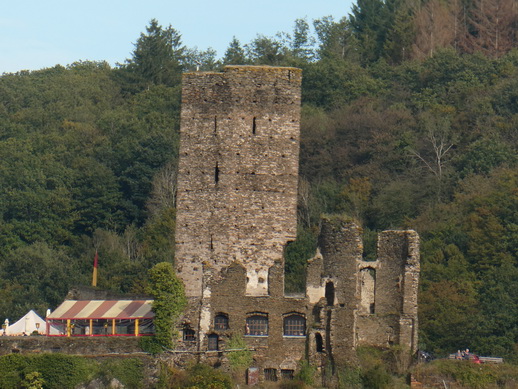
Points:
(376, 377)
(56, 370)
(467, 374)
(306, 373)
(205, 377)
(149, 344)
(128, 371)
(59, 371)
(241, 358)
(198, 376)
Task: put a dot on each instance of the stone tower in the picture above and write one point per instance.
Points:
(238, 173)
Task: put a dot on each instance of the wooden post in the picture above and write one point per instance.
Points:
(91, 327)
(113, 326)
(68, 327)
(136, 327)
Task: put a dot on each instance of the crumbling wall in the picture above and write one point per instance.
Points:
(341, 248)
(361, 302)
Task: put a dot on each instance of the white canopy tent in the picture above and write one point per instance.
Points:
(28, 324)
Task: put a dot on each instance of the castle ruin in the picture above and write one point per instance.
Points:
(237, 211)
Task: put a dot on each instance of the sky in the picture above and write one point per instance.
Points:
(36, 34)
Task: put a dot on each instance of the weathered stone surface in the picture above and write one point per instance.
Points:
(236, 211)
(238, 172)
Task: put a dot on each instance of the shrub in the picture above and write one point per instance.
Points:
(306, 373)
(241, 358)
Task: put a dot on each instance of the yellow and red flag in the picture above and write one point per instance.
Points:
(94, 275)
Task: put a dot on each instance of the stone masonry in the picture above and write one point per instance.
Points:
(236, 212)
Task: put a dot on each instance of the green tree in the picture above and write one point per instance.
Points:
(266, 51)
(370, 21)
(302, 43)
(335, 38)
(400, 36)
(158, 55)
(235, 54)
(169, 302)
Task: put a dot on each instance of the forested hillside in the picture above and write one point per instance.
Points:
(410, 120)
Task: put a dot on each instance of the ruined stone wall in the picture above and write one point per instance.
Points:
(236, 211)
(341, 247)
(398, 275)
(238, 172)
(361, 302)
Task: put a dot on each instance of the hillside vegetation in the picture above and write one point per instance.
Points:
(409, 120)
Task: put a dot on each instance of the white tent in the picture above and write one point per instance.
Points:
(27, 324)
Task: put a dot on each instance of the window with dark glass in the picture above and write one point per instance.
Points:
(270, 374)
(189, 335)
(287, 374)
(221, 322)
(257, 325)
(294, 325)
(213, 342)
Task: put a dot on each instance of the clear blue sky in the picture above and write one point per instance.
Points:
(35, 34)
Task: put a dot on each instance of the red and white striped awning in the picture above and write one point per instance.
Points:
(103, 309)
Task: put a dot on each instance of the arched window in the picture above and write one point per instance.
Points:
(221, 322)
(330, 294)
(257, 324)
(367, 291)
(213, 344)
(294, 325)
(319, 343)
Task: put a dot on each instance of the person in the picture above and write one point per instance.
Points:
(466, 354)
(458, 355)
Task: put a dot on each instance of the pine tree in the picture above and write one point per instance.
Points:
(370, 21)
(235, 54)
(158, 55)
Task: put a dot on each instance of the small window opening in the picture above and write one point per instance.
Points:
(287, 374)
(189, 335)
(289, 75)
(367, 290)
(216, 173)
(270, 375)
(319, 343)
(254, 126)
(294, 325)
(213, 343)
(215, 125)
(257, 325)
(221, 322)
(330, 294)
(211, 243)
